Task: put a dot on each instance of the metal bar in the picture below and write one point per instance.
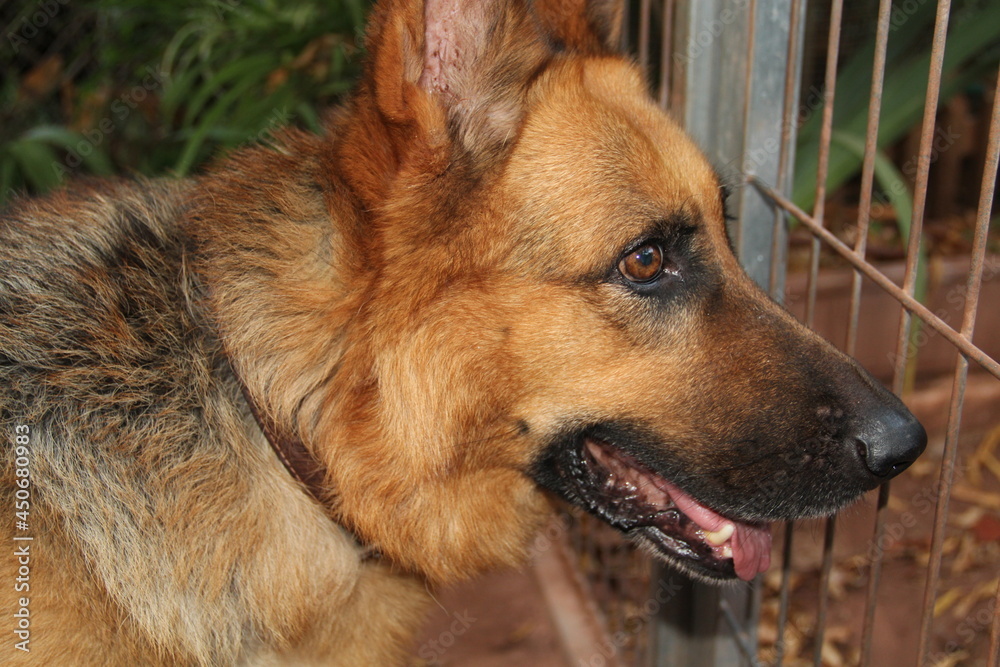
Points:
(745, 633)
(869, 160)
(874, 577)
(868, 167)
(743, 641)
(860, 246)
(920, 185)
(994, 658)
(829, 91)
(909, 285)
(645, 9)
(783, 605)
(789, 119)
(741, 214)
(950, 455)
(826, 132)
(580, 625)
(732, 79)
(906, 300)
(714, 55)
(945, 482)
(775, 286)
(824, 589)
(983, 218)
(666, 48)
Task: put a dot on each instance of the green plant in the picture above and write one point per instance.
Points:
(156, 88)
(29, 158)
(234, 71)
(973, 51)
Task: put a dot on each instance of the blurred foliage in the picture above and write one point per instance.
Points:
(972, 53)
(149, 86)
(141, 86)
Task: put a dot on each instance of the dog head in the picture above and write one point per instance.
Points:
(543, 296)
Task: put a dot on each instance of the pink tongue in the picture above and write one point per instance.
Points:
(751, 545)
(751, 550)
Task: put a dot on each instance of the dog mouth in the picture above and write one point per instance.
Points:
(619, 489)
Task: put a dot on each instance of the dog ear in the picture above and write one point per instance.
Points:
(584, 26)
(455, 68)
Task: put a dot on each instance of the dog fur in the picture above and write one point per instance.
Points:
(428, 297)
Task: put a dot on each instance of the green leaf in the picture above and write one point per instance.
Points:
(894, 185)
(207, 125)
(93, 157)
(903, 96)
(890, 179)
(245, 72)
(7, 183)
(38, 162)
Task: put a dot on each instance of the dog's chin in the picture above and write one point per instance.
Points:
(660, 517)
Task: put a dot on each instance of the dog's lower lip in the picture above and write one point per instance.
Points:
(674, 521)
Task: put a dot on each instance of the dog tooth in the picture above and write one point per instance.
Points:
(727, 551)
(721, 536)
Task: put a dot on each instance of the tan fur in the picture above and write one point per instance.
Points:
(426, 298)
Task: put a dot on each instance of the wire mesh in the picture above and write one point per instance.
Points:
(803, 623)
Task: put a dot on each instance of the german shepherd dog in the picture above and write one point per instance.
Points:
(251, 417)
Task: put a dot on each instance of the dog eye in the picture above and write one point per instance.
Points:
(642, 265)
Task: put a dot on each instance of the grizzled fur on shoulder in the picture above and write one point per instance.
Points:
(165, 531)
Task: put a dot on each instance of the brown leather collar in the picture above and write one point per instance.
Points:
(298, 460)
(307, 470)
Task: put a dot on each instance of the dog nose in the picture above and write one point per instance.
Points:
(889, 440)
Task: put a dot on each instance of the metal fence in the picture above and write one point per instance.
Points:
(733, 72)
